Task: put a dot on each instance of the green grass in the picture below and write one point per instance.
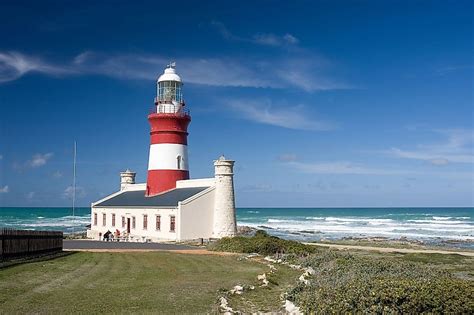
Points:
(155, 282)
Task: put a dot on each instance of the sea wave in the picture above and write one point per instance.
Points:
(430, 227)
(64, 223)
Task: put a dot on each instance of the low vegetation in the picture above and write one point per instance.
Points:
(348, 283)
(263, 244)
(362, 282)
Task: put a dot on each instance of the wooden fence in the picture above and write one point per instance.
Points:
(23, 243)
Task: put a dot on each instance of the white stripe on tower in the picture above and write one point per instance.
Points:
(168, 156)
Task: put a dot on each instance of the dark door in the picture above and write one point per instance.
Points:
(128, 225)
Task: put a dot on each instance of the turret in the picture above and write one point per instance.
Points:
(127, 178)
(224, 202)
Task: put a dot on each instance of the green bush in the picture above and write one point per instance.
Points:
(261, 243)
(346, 283)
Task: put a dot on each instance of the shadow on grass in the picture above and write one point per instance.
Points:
(36, 258)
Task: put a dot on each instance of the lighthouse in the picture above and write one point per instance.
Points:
(169, 120)
(169, 206)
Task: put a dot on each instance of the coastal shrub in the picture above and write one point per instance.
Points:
(345, 283)
(261, 243)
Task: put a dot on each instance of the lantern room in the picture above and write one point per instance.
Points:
(169, 91)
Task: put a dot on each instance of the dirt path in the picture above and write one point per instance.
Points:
(394, 250)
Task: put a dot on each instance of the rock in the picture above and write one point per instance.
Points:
(238, 289)
(310, 271)
(291, 308)
(303, 279)
(272, 268)
(270, 259)
(224, 306)
(245, 230)
(252, 255)
(261, 277)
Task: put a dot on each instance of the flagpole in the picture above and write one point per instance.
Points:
(74, 189)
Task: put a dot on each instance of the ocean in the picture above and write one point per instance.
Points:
(430, 225)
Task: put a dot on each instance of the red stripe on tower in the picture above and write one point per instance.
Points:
(168, 160)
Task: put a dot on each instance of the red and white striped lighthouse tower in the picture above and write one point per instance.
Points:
(168, 160)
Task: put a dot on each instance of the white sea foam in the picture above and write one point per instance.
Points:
(430, 227)
(64, 223)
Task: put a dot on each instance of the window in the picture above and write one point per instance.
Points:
(178, 162)
(145, 221)
(158, 222)
(95, 218)
(113, 219)
(123, 221)
(133, 222)
(172, 223)
(104, 219)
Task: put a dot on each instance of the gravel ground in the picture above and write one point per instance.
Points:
(100, 245)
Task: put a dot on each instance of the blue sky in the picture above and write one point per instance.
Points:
(321, 103)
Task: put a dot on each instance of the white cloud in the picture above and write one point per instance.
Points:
(439, 161)
(287, 157)
(4, 189)
(458, 148)
(286, 116)
(57, 174)
(343, 167)
(39, 159)
(68, 192)
(303, 72)
(13, 65)
(268, 39)
(257, 188)
(455, 68)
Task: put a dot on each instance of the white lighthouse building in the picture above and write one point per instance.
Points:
(169, 206)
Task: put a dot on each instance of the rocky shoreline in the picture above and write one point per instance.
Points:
(372, 241)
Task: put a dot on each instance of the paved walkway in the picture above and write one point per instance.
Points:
(395, 250)
(89, 245)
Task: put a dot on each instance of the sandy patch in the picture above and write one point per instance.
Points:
(394, 250)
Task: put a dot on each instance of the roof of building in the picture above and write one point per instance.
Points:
(136, 198)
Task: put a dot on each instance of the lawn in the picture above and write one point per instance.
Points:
(153, 282)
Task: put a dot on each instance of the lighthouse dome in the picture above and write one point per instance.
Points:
(169, 75)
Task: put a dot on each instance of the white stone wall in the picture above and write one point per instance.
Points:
(224, 201)
(200, 182)
(196, 216)
(164, 234)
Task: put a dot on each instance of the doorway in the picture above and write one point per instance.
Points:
(128, 225)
